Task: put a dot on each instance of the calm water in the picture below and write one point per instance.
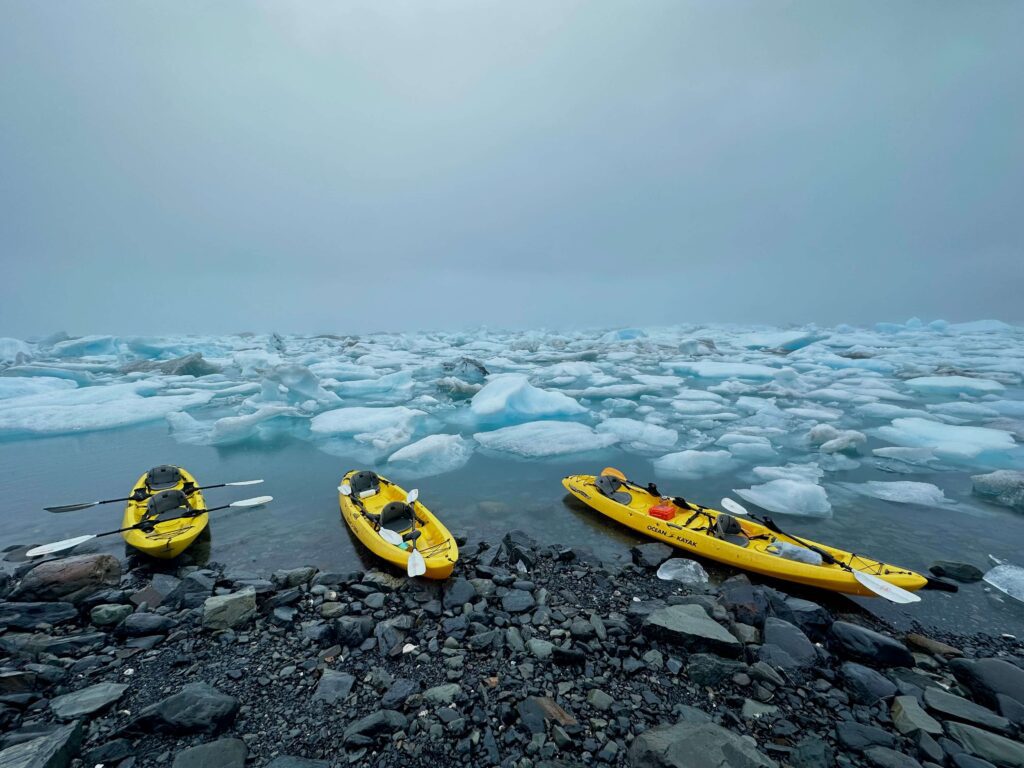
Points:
(482, 500)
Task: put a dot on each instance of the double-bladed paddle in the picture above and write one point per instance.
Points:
(87, 504)
(879, 586)
(60, 546)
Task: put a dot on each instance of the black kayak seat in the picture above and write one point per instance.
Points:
(609, 486)
(396, 516)
(727, 528)
(362, 481)
(164, 476)
(163, 502)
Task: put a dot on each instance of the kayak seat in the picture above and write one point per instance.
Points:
(164, 476)
(164, 502)
(396, 516)
(727, 528)
(364, 480)
(609, 486)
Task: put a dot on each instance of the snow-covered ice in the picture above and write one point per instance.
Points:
(545, 438)
(693, 465)
(788, 496)
(432, 455)
(510, 398)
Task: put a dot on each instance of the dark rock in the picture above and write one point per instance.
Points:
(143, 624)
(109, 614)
(110, 753)
(791, 640)
(293, 577)
(988, 746)
(288, 761)
(86, 701)
(746, 603)
(440, 695)
(812, 752)
(865, 685)
(518, 547)
(517, 601)
(964, 760)
(30, 615)
(535, 711)
(651, 555)
(366, 729)
(55, 749)
(694, 745)
(859, 737)
(909, 718)
(333, 687)
(706, 669)
(350, 631)
(459, 591)
(810, 617)
(689, 627)
(962, 572)
(197, 708)
(229, 611)
(870, 647)
(17, 681)
(155, 593)
(884, 757)
(986, 678)
(191, 592)
(67, 645)
(223, 753)
(954, 707)
(70, 579)
(399, 691)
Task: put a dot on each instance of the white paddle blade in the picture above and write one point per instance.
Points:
(255, 501)
(411, 497)
(734, 507)
(417, 565)
(883, 588)
(391, 537)
(58, 546)
(245, 482)
(345, 489)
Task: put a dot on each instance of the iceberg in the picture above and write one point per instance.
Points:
(790, 497)
(788, 341)
(509, 397)
(832, 440)
(810, 473)
(953, 443)
(384, 429)
(718, 370)
(1008, 579)
(21, 386)
(14, 351)
(545, 438)
(225, 431)
(432, 455)
(901, 491)
(693, 465)
(955, 385)
(85, 346)
(639, 435)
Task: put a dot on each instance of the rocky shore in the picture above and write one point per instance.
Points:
(529, 656)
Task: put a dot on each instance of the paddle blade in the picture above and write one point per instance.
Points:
(411, 497)
(391, 537)
(345, 489)
(255, 501)
(417, 565)
(613, 472)
(244, 482)
(883, 588)
(72, 507)
(58, 546)
(734, 507)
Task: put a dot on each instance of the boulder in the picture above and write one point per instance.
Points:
(866, 645)
(748, 604)
(695, 745)
(109, 614)
(70, 579)
(441, 695)
(1004, 486)
(458, 592)
(988, 678)
(86, 701)
(223, 753)
(517, 601)
(709, 670)
(293, 577)
(196, 708)
(988, 746)
(367, 729)
(955, 707)
(857, 736)
(350, 631)
(157, 591)
(865, 685)
(55, 749)
(143, 624)
(884, 757)
(31, 615)
(962, 572)
(231, 610)
(333, 687)
(909, 718)
(791, 640)
(191, 591)
(690, 627)
(400, 690)
(651, 555)
(810, 617)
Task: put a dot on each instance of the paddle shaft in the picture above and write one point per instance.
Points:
(148, 523)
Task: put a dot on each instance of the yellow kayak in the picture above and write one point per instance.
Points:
(165, 492)
(376, 502)
(739, 542)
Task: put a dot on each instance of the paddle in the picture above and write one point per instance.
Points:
(391, 537)
(880, 587)
(417, 565)
(60, 546)
(87, 504)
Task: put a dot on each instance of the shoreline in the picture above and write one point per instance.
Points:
(559, 661)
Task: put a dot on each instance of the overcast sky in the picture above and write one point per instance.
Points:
(292, 166)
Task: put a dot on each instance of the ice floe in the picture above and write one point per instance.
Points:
(1008, 579)
(901, 491)
(693, 465)
(431, 455)
(510, 397)
(788, 496)
(545, 438)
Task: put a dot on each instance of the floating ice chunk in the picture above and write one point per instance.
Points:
(296, 384)
(87, 409)
(545, 438)
(889, 411)
(962, 410)
(954, 443)
(433, 455)
(253, 361)
(654, 380)
(718, 370)
(1013, 408)
(785, 340)
(85, 346)
(21, 386)
(382, 428)
(698, 394)
(832, 440)
(691, 465)
(1008, 579)
(14, 350)
(954, 385)
(1003, 486)
(791, 497)
(683, 570)
(810, 473)
(399, 383)
(225, 431)
(982, 326)
(624, 334)
(696, 407)
(341, 370)
(609, 391)
(901, 491)
(510, 397)
(817, 414)
(837, 462)
(639, 435)
(919, 456)
(748, 447)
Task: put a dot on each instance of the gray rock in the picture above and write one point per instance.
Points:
(109, 614)
(142, 624)
(962, 572)
(231, 610)
(694, 745)
(333, 687)
(754, 710)
(54, 750)
(870, 647)
(709, 670)
(352, 630)
(964, 760)
(651, 555)
(987, 678)
(689, 627)
(540, 648)
(399, 691)
(812, 752)
(196, 708)
(600, 700)
(223, 753)
(30, 615)
(440, 695)
(517, 601)
(71, 579)
(156, 592)
(293, 577)
(288, 761)
(192, 591)
(957, 708)
(791, 640)
(87, 700)
(909, 718)
(34, 645)
(368, 728)
(458, 592)
(884, 757)
(865, 685)
(988, 746)
(1004, 486)
(810, 617)
(859, 737)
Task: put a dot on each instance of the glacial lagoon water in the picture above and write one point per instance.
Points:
(839, 414)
